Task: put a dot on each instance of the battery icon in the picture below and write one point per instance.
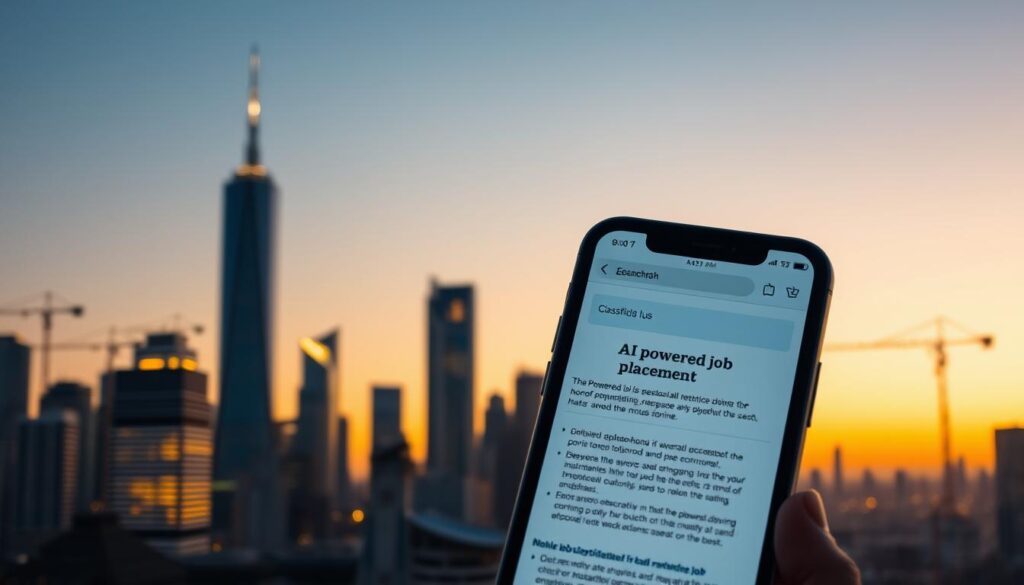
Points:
(799, 266)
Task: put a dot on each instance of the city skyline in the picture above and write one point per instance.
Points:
(940, 215)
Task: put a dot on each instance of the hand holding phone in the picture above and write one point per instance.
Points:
(675, 406)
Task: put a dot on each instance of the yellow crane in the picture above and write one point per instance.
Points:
(938, 344)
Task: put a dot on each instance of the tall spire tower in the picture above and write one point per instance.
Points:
(246, 498)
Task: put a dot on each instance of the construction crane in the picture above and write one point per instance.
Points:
(937, 345)
(47, 311)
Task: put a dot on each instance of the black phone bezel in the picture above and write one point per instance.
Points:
(704, 243)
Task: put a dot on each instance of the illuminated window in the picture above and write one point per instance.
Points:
(200, 448)
(457, 311)
(188, 364)
(172, 362)
(151, 363)
(169, 449)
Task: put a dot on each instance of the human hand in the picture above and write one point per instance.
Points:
(805, 552)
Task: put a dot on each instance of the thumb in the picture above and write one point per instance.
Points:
(805, 552)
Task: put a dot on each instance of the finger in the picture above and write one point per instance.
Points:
(805, 552)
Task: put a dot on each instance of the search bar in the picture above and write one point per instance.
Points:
(725, 284)
(692, 322)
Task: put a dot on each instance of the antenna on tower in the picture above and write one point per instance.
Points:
(252, 155)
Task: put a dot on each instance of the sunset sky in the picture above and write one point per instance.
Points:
(477, 142)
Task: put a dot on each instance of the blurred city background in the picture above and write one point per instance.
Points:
(281, 314)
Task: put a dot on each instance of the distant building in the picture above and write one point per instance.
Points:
(495, 420)
(443, 550)
(1010, 492)
(869, 486)
(513, 456)
(76, 398)
(497, 448)
(837, 473)
(45, 481)
(316, 439)
(960, 478)
(528, 387)
(246, 495)
(103, 420)
(161, 448)
(983, 512)
(386, 421)
(450, 366)
(901, 493)
(14, 363)
(344, 482)
(385, 540)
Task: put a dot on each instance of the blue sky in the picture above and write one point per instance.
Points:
(478, 141)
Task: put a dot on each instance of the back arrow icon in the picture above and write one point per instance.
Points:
(603, 269)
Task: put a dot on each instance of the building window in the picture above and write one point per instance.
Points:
(457, 311)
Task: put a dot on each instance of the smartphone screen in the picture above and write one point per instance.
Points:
(667, 434)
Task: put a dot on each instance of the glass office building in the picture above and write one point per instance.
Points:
(314, 448)
(161, 448)
(450, 371)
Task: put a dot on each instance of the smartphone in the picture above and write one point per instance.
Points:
(681, 382)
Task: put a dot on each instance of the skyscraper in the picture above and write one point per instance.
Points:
(901, 493)
(44, 485)
(76, 398)
(387, 417)
(161, 447)
(343, 487)
(14, 362)
(1010, 492)
(527, 401)
(101, 451)
(385, 542)
(495, 448)
(450, 368)
(527, 405)
(512, 454)
(495, 422)
(316, 439)
(245, 494)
